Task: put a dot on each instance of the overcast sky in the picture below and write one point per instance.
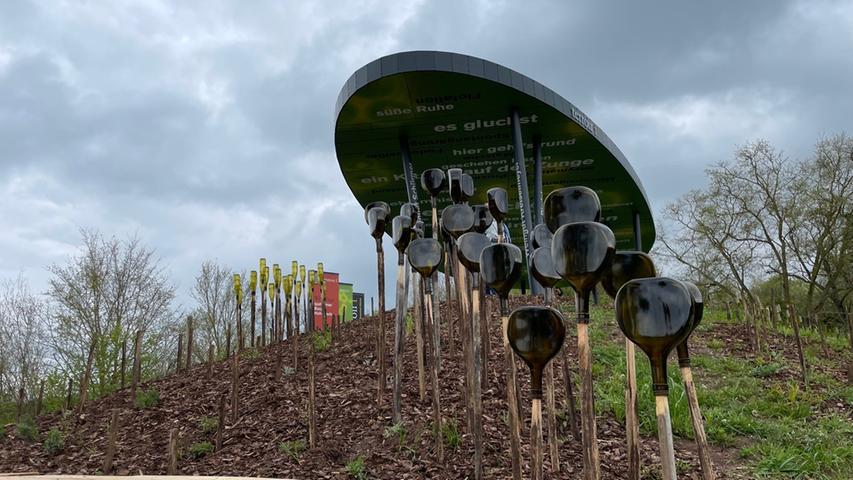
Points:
(207, 127)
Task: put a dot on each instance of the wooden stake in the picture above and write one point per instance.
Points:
(632, 424)
(512, 400)
(592, 465)
(417, 288)
(449, 302)
(123, 361)
(698, 424)
(571, 403)
(792, 314)
(295, 341)
(210, 353)
(19, 405)
(189, 343)
(380, 267)
(220, 429)
(312, 406)
(263, 315)
(235, 386)
(667, 451)
(432, 311)
(550, 399)
(484, 338)
(179, 362)
(476, 393)
(84, 384)
(252, 316)
(399, 337)
(111, 443)
(137, 365)
(172, 468)
(536, 438)
(227, 340)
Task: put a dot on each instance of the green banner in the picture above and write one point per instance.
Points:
(345, 302)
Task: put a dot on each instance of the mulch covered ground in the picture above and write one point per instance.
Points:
(350, 422)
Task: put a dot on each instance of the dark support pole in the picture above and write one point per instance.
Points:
(537, 180)
(638, 236)
(523, 198)
(411, 188)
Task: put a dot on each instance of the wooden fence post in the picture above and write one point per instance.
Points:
(221, 428)
(189, 343)
(172, 469)
(235, 386)
(210, 360)
(796, 324)
(312, 408)
(180, 360)
(137, 365)
(111, 443)
(227, 340)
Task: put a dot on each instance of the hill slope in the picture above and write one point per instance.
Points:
(352, 426)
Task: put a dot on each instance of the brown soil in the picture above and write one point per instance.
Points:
(350, 422)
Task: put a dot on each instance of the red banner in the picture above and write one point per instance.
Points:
(331, 280)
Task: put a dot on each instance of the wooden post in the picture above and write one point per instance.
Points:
(84, 383)
(221, 427)
(796, 324)
(137, 365)
(632, 424)
(698, 424)
(380, 265)
(511, 398)
(189, 343)
(536, 438)
(210, 352)
(39, 399)
(123, 362)
(111, 443)
(227, 340)
(180, 360)
(172, 468)
(667, 451)
(822, 332)
(263, 314)
(448, 302)
(485, 348)
(295, 340)
(68, 395)
(550, 399)
(434, 385)
(399, 337)
(571, 403)
(476, 393)
(418, 295)
(312, 407)
(592, 464)
(253, 315)
(235, 387)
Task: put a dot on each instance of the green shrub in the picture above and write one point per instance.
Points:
(54, 441)
(209, 424)
(250, 353)
(292, 448)
(321, 340)
(147, 398)
(201, 449)
(450, 432)
(356, 469)
(410, 324)
(396, 430)
(27, 430)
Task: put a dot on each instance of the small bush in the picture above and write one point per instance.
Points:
(396, 430)
(27, 430)
(321, 340)
(147, 398)
(209, 424)
(201, 449)
(356, 469)
(250, 353)
(292, 448)
(54, 441)
(450, 432)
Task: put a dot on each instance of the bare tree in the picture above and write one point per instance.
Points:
(23, 351)
(104, 294)
(213, 291)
